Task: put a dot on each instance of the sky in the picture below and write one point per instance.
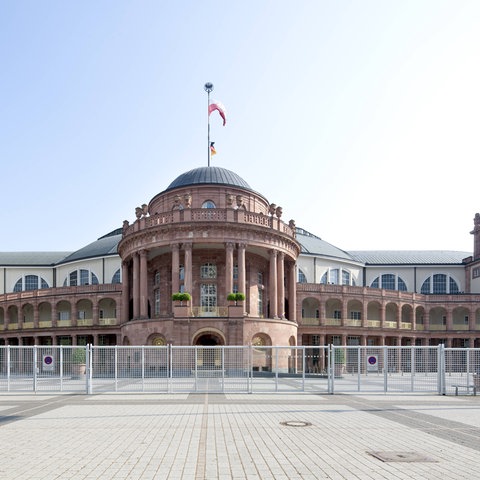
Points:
(359, 118)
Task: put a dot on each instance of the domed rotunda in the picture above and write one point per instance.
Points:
(209, 235)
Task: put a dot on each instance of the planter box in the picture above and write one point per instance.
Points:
(182, 311)
(236, 311)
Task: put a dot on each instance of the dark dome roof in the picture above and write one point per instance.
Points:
(209, 175)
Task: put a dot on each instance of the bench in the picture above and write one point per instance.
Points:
(466, 387)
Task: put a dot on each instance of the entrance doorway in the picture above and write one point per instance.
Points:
(209, 358)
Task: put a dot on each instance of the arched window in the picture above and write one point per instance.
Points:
(80, 277)
(208, 204)
(333, 276)
(389, 281)
(116, 277)
(301, 277)
(439, 284)
(30, 282)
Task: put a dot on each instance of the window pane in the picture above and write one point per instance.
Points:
(453, 286)
(301, 277)
(402, 286)
(31, 282)
(426, 287)
(116, 277)
(439, 283)
(208, 270)
(84, 274)
(388, 281)
(18, 286)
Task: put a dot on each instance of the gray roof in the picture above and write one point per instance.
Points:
(209, 175)
(409, 257)
(315, 245)
(102, 247)
(40, 259)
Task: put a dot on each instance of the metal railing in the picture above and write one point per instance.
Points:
(239, 369)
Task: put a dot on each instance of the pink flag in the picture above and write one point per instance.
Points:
(221, 110)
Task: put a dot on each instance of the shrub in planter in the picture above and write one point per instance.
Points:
(236, 297)
(181, 297)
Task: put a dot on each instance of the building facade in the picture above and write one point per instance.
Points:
(209, 234)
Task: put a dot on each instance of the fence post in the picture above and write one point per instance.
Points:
(143, 367)
(8, 368)
(359, 367)
(330, 370)
(60, 366)
(303, 367)
(35, 368)
(250, 369)
(223, 367)
(385, 369)
(170, 365)
(413, 367)
(89, 362)
(276, 368)
(115, 359)
(441, 368)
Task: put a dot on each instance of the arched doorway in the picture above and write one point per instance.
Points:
(209, 357)
(210, 339)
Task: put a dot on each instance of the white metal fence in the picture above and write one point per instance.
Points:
(238, 369)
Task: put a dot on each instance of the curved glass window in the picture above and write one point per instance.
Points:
(208, 204)
(301, 277)
(439, 284)
(30, 282)
(116, 277)
(333, 276)
(80, 277)
(389, 281)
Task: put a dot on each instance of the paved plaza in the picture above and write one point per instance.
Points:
(257, 436)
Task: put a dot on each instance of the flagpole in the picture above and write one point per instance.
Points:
(208, 88)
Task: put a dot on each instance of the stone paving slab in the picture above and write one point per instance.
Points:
(238, 437)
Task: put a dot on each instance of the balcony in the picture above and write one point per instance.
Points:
(210, 311)
(310, 321)
(334, 322)
(104, 322)
(85, 322)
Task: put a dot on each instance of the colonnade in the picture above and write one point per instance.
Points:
(276, 294)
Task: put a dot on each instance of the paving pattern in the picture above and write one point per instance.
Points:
(268, 436)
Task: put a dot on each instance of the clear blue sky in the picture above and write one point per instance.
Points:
(360, 118)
